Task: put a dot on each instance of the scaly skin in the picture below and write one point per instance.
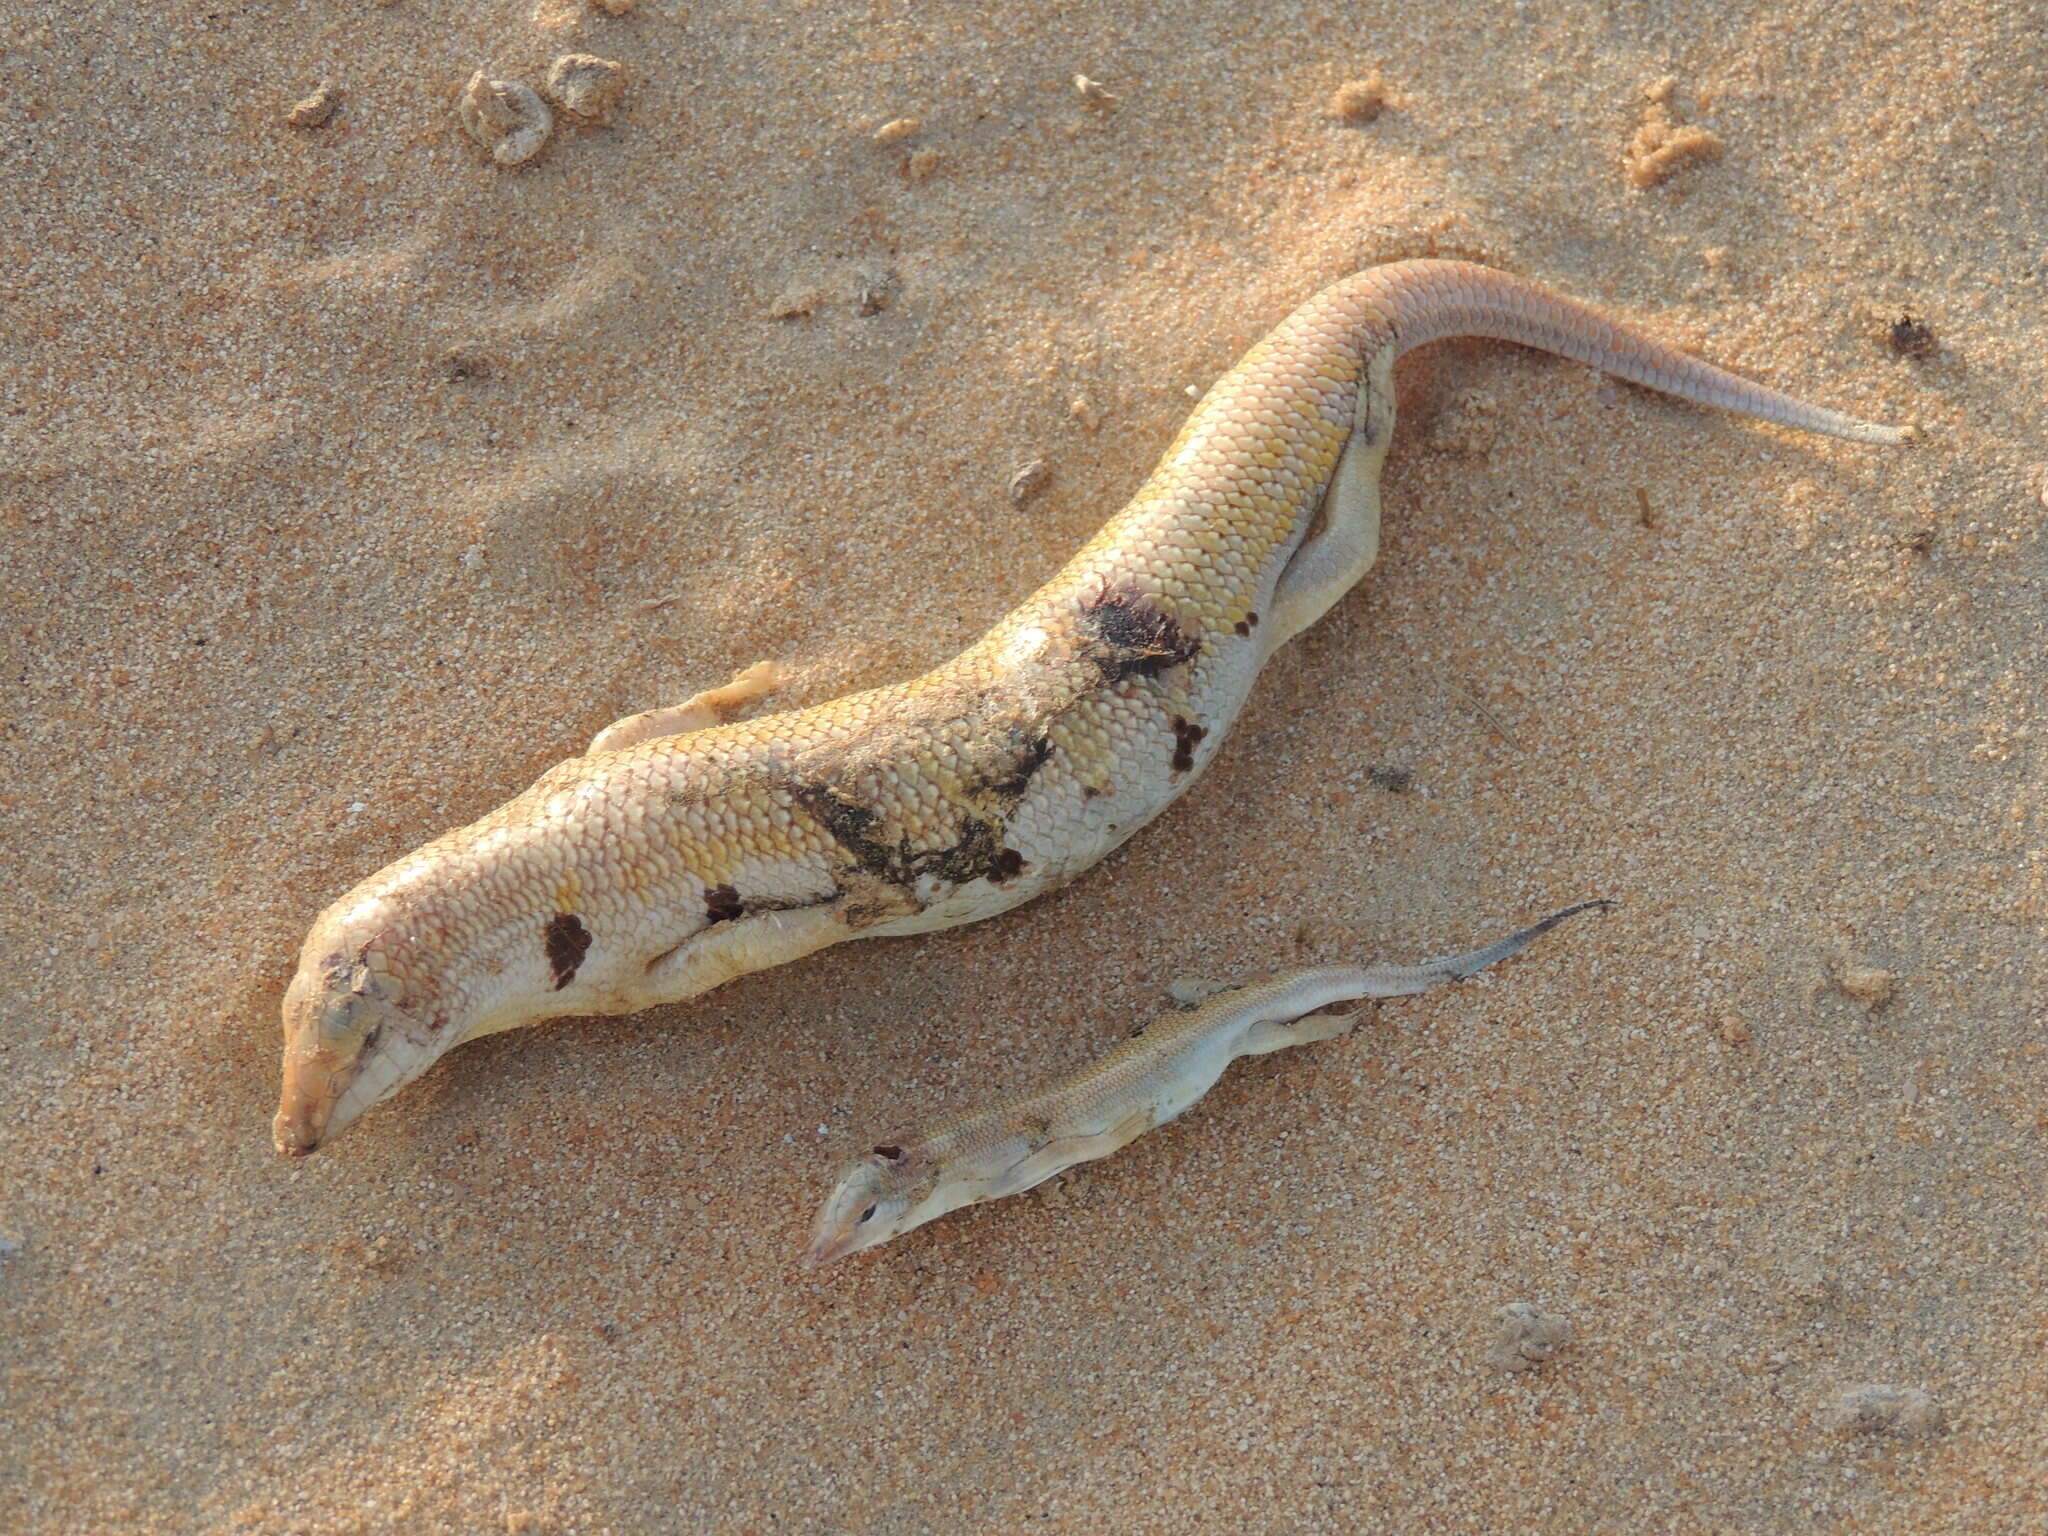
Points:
(660, 865)
(1147, 1079)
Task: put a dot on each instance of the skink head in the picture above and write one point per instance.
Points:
(355, 1030)
(872, 1202)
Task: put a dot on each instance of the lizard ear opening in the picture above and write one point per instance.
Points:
(889, 1154)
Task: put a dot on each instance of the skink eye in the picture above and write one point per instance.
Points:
(864, 1215)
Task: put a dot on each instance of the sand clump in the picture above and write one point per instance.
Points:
(586, 86)
(1662, 146)
(1871, 985)
(1029, 481)
(1881, 1409)
(507, 117)
(1526, 1336)
(1359, 101)
(514, 121)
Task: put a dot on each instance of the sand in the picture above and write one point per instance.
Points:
(349, 479)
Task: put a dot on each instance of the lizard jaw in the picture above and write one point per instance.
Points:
(347, 1046)
(325, 1092)
(313, 1084)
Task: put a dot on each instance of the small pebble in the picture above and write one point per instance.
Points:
(1081, 411)
(1359, 101)
(1907, 337)
(316, 108)
(921, 165)
(457, 363)
(873, 293)
(10, 1246)
(798, 303)
(1527, 1336)
(1880, 1409)
(1871, 987)
(1093, 95)
(585, 86)
(1029, 481)
(507, 117)
(897, 130)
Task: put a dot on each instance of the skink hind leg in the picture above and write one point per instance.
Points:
(714, 706)
(1278, 1034)
(1347, 541)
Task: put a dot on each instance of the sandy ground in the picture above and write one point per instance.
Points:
(351, 480)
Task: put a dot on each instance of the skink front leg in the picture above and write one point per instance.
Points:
(714, 706)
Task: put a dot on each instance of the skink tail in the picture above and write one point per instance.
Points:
(1425, 301)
